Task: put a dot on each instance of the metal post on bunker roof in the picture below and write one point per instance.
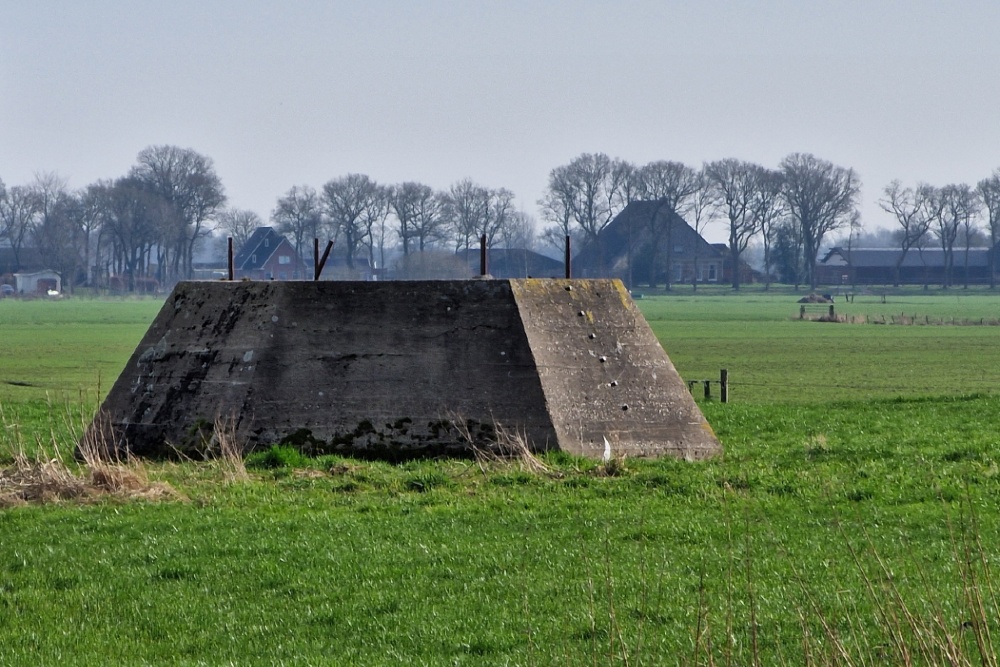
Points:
(569, 269)
(232, 265)
(320, 262)
(483, 264)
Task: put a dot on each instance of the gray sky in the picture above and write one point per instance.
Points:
(297, 92)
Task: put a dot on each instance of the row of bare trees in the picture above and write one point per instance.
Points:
(811, 196)
(366, 218)
(153, 216)
(926, 215)
(148, 222)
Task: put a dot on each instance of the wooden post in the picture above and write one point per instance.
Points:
(724, 385)
(483, 263)
(569, 255)
(232, 266)
(802, 312)
(831, 312)
(708, 389)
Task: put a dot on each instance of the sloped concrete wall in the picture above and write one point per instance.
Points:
(388, 368)
(605, 375)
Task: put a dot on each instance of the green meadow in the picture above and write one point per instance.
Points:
(853, 518)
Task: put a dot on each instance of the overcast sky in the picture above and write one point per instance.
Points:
(298, 92)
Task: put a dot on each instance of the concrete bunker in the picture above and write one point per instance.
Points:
(404, 369)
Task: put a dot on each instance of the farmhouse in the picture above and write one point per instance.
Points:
(647, 243)
(267, 255)
(889, 266)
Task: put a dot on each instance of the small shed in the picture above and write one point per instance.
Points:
(39, 282)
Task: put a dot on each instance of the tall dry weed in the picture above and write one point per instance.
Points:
(50, 474)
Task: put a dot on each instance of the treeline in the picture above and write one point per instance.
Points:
(148, 223)
(949, 217)
(789, 210)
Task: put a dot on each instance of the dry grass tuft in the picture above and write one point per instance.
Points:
(46, 477)
(506, 447)
(226, 450)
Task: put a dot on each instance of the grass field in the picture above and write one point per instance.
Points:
(853, 519)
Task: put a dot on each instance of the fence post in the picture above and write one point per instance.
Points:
(724, 385)
(483, 266)
(831, 312)
(708, 389)
(802, 312)
(232, 266)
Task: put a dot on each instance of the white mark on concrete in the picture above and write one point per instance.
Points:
(248, 356)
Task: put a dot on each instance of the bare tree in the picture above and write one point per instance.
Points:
(911, 208)
(132, 216)
(240, 224)
(671, 185)
(466, 206)
(957, 208)
(187, 182)
(587, 193)
(989, 195)
(59, 229)
(418, 211)
(768, 208)
(473, 211)
(18, 211)
(555, 209)
(375, 216)
(298, 214)
(821, 197)
(518, 231)
(346, 200)
(700, 211)
(735, 185)
(89, 220)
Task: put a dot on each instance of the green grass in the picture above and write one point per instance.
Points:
(839, 437)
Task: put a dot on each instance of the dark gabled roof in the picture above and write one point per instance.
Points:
(514, 263)
(254, 254)
(887, 257)
(630, 229)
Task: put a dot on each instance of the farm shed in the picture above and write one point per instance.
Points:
(918, 266)
(39, 282)
(405, 368)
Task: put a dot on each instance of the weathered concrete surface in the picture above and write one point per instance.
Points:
(605, 374)
(389, 368)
